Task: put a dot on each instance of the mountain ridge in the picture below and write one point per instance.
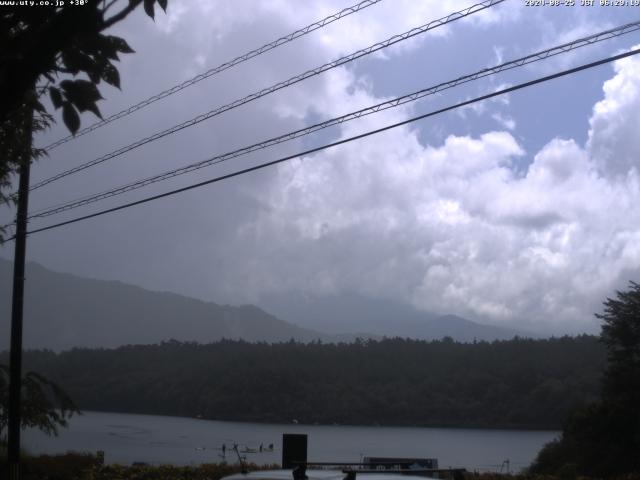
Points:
(90, 313)
(98, 313)
(348, 313)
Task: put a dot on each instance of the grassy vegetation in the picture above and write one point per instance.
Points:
(85, 466)
(164, 472)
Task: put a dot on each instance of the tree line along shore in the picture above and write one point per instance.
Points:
(519, 383)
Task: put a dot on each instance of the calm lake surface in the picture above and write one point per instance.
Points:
(184, 441)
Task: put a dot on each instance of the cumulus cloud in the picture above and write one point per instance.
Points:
(613, 139)
(453, 228)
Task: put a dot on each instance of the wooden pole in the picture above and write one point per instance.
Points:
(15, 358)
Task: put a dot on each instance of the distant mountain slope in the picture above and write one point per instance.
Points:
(351, 313)
(64, 311)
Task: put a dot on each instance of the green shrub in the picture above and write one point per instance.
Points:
(86, 466)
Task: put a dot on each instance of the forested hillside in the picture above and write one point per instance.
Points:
(518, 383)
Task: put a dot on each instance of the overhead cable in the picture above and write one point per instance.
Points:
(535, 57)
(220, 68)
(278, 86)
(341, 142)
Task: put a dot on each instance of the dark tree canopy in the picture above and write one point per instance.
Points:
(47, 42)
(44, 404)
(58, 52)
(517, 383)
(621, 335)
(603, 439)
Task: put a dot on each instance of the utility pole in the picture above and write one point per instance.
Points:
(17, 303)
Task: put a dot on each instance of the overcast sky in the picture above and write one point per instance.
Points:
(520, 211)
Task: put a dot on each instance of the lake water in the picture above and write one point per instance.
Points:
(185, 441)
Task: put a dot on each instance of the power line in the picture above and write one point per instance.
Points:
(343, 141)
(220, 68)
(535, 57)
(278, 86)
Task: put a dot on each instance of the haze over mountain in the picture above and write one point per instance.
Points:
(64, 311)
(355, 314)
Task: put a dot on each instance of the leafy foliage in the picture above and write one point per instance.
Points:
(53, 46)
(69, 466)
(44, 43)
(16, 146)
(621, 335)
(604, 438)
(516, 383)
(169, 472)
(44, 404)
(86, 466)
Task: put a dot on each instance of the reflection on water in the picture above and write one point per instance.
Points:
(182, 441)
